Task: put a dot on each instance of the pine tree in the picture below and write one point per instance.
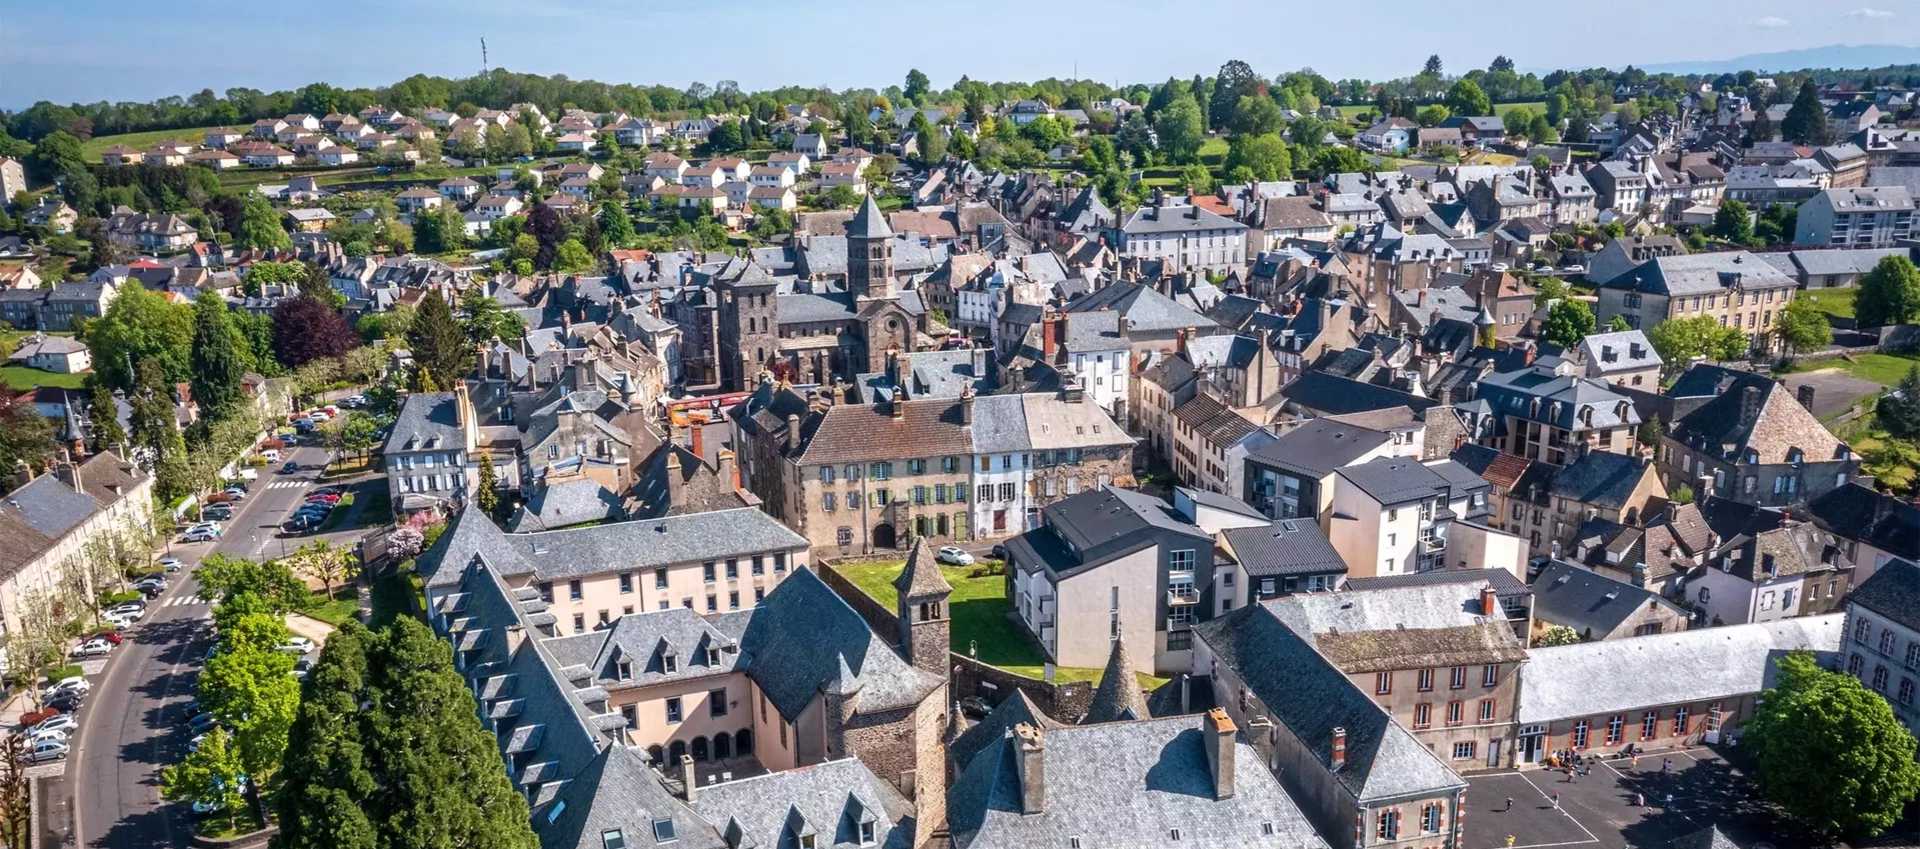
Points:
(215, 364)
(1806, 121)
(328, 776)
(488, 497)
(442, 778)
(438, 344)
(104, 416)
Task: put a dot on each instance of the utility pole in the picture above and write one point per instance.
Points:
(483, 55)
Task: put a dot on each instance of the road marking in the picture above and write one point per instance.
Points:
(1558, 807)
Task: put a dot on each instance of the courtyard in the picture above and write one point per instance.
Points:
(1601, 810)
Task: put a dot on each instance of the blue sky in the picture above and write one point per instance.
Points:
(93, 50)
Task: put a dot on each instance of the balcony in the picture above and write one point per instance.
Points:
(1183, 595)
(1432, 545)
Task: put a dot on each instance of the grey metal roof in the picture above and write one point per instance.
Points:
(1285, 547)
(1394, 480)
(1702, 665)
(829, 800)
(1124, 784)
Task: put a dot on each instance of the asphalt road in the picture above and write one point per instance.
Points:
(131, 728)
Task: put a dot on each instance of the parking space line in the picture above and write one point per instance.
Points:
(1562, 809)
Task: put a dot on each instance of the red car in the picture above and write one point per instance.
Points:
(324, 499)
(35, 717)
(112, 637)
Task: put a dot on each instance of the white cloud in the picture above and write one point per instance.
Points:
(1869, 12)
(1771, 22)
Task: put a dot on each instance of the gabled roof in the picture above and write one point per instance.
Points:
(1283, 547)
(1779, 425)
(1592, 604)
(803, 637)
(1892, 592)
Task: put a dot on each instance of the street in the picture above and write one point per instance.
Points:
(130, 729)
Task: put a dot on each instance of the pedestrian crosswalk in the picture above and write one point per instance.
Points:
(286, 484)
(183, 601)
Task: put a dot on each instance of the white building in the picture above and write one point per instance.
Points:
(1184, 236)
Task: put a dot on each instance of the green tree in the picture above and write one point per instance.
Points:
(1889, 294)
(1803, 326)
(1649, 433)
(57, 156)
(1568, 322)
(441, 230)
(155, 428)
(1433, 67)
(259, 226)
(443, 783)
(216, 364)
(615, 224)
(484, 319)
(140, 325)
(1181, 130)
(917, 85)
(438, 343)
(1255, 116)
(328, 776)
(487, 492)
(1830, 751)
(572, 257)
(251, 689)
(1432, 116)
(1264, 156)
(103, 418)
(1618, 324)
(325, 561)
(1679, 340)
(1806, 121)
(1235, 82)
(1548, 290)
(223, 578)
(1466, 98)
(1733, 222)
(1899, 413)
(1556, 635)
(210, 775)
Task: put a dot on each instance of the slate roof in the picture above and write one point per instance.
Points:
(1438, 624)
(1146, 310)
(922, 576)
(1600, 478)
(1698, 274)
(619, 792)
(597, 549)
(1609, 353)
(1703, 665)
(829, 799)
(1504, 584)
(1592, 604)
(1015, 709)
(855, 433)
(1894, 592)
(425, 418)
(803, 637)
(570, 502)
(1856, 512)
(1328, 394)
(1213, 422)
(1781, 426)
(1284, 547)
(1308, 696)
(1401, 480)
(1124, 784)
(1118, 696)
(869, 222)
(1175, 219)
(1319, 446)
(1563, 399)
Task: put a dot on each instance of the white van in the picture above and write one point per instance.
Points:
(272, 455)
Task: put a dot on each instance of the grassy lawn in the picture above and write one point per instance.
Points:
(388, 598)
(21, 377)
(1832, 301)
(980, 619)
(93, 147)
(1884, 369)
(335, 611)
(1213, 153)
(1501, 109)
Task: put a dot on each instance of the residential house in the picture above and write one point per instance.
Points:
(1845, 120)
(1397, 515)
(160, 232)
(1598, 607)
(796, 162)
(1393, 135)
(1623, 358)
(417, 200)
(459, 188)
(57, 354)
(1539, 414)
(1762, 564)
(1292, 477)
(1881, 636)
(431, 453)
(1735, 287)
(1742, 437)
(1876, 527)
(1181, 236)
(1867, 216)
(49, 520)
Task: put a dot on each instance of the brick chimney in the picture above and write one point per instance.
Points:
(1805, 395)
(1031, 766)
(699, 442)
(1219, 732)
(1489, 601)
(1339, 756)
(1749, 406)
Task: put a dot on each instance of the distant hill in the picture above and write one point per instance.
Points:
(1832, 56)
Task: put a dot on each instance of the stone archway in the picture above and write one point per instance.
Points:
(883, 536)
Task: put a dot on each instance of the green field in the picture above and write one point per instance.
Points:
(1884, 369)
(344, 605)
(1498, 109)
(980, 619)
(1832, 301)
(1213, 152)
(97, 145)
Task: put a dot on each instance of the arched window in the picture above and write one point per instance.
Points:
(743, 741)
(657, 755)
(700, 748)
(674, 751)
(722, 746)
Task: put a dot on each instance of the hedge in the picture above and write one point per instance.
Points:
(55, 676)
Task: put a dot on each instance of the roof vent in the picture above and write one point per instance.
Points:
(539, 548)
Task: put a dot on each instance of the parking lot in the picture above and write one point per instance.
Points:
(1601, 809)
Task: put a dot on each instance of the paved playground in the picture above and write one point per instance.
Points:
(1601, 809)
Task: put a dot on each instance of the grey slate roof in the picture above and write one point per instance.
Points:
(1309, 697)
(1893, 592)
(869, 222)
(425, 417)
(921, 577)
(1698, 274)
(1124, 784)
(1175, 219)
(651, 542)
(1503, 582)
(1600, 478)
(618, 792)
(801, 638)
(1285, 547)
(570, 502)
(1118, 697)
(1015, 709)
(1396, 480)
(1589, 603)
(1146, 310)
(1319, 446)
(830, 800)
(1703, 665)
(48, 505)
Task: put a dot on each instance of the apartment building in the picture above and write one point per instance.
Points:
(1882, 637)
(1540, 414)
(1861, 217)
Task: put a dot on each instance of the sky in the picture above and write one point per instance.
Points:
(93, 50)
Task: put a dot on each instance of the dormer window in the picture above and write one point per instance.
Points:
(669, 663)
(866, 834)
(624, 670)
(713, 657)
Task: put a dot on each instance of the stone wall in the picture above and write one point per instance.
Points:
(1067, 701)
(882, 620)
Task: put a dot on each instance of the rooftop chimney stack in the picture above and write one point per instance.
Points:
(1031, 766)
(686, 770)
(1219, 733)
(1339, 756)
(793, 431)
(1488, 601)
(1749, 406)
(966, 405)
(1805, 396)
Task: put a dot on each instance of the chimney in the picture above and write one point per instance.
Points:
(1048, 339)
(1181, 336)
(462, 405)
(699, 442)
(1219, 732)
(1339, 757)
(728, 469)
(1421, 300)
(686, 771)
(898, 406)
(1488, 601)
(1749, 406)
(793, 431)
(1261, 731)
(966, 405)
(1031, 767)
(675, 483)
(480, 362)
(1805, 396)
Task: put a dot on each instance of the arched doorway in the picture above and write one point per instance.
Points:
(657, 754)
(883, 536)
(699, 748)
(743, 741)
(675, 751)
(722, 746)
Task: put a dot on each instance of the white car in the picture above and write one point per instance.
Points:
(46, 750)
(122, 621)
(200, 535)
(953, 555)
(91, 648)
(72, 683)
(296, 645)
(38, 734)
(171, 564)
(63, 723)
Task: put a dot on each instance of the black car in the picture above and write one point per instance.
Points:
(67, 702)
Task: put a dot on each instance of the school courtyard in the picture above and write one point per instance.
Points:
(1599, 809)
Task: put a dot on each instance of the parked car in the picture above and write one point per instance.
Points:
(171, 564)
(136, 608)
(328, 498)
(66, 702)
(289, 467)
(46, 750)
(110, 636)
(201, 724)
(1573, 268)
(954, 556)
(157, 580)
(123, 621)
(36, 735)
(296, 644)
(91, 648)
(55, 722)
(324, 490)
(212, 807)
(220, 513)
(70, 684)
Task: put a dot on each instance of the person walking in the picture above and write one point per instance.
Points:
(1635, 763)
(1667, 766)
(1509, 808)
(1556, 800)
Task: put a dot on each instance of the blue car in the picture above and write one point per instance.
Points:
(289, 467)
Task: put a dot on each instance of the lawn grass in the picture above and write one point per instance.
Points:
(1832, 301)
(335, 611)
(21, 377)
(1213, 152)
(1500, 109)
(980, 619)
(93, 147)
(389, 598)
(1884, 369)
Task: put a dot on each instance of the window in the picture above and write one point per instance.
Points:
(579, 623)
(1455, 712)
(880, 498)
(1489, 675)
(663, 830)
(612, 838)
(626, 583)
(1423, 715)
(673, 711)
(546, 591)
(1006, 492)
(1463, 751)
(717, 702)
(779, 562)
(986, 492)
(759, 564)
(1579, 738)
(660, 578)
(631, 715)
(713, 603)
(1615, 728)
(1383, 683)
(1457, 678)
(624, 670)
(866, 834)
(669, 663)
(1181, 561)
(826, 474)
(1880, 678)
(1388, 825)
(880, 471)
(1488, 707)
(1179, 640)
(826, 502)
(707, 572)
(1853, 664)
(1913, 655)
(733, 568)
(1430, 818)
(1887, 641)
(1650, 725)
(1426, 680)
(1906, 691)
(1681, 719)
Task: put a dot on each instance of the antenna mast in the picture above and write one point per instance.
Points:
(483, 55)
